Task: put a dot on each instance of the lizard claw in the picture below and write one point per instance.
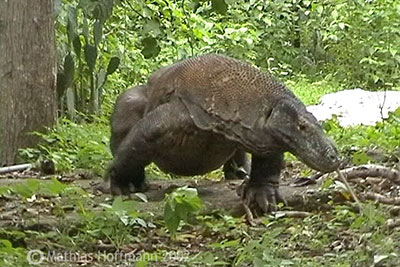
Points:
(256, 197)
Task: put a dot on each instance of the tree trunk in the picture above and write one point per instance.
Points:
(27, 74)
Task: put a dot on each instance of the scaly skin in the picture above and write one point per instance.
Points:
(129, 110)
(202, 113)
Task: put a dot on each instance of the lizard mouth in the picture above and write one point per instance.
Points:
(325, 162)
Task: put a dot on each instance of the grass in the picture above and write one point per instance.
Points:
(311, 92)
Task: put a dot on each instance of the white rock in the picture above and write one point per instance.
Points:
(356, 106)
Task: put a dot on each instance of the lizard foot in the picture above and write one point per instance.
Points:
(117, 189)
(258, 199)
(125, 186)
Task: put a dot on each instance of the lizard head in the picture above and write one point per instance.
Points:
(299, 132)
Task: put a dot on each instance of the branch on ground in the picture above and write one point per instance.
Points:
(380, 198)
(369, 170)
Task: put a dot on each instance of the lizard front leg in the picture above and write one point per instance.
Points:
(238, 166)
(261, 191)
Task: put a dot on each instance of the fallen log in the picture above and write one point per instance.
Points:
(15, 168)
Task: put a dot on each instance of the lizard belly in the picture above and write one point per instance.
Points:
(195, 152)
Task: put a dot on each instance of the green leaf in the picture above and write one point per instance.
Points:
(55, 187)
(327, 183)
(141, 263)
(69, 70)
(61, 85)
(120, 205)
(72, 24)
(219, 6)
(335, 14)
(142, 197)
(101, 79)
(171, 220)
(141, 222)
(230, 2)
(77, 46)
(5, 190)
(85, 29)
(397, 112)
(225, 244)
(27, 189)
(58, 7)
(152, 26)
(90, 56)
(150, 47)
(97, 12)
(360, 158)
(113, 65)
(70, 98)
(103, 10)
(97, 32)
(195, 4)
(6, 246)
(179, 204)
(317, 7)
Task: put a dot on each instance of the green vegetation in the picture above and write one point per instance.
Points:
(341, 237)
(71, 145)
(368, 143)
(179, 204)
(105, 46)
(354, 42)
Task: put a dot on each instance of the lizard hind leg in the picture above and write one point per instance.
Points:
(142, 144)
(238, 166)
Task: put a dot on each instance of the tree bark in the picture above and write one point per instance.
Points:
(27, 74)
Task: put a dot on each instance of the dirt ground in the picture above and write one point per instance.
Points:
(214, 194)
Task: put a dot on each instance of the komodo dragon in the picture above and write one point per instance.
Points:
(196, 115)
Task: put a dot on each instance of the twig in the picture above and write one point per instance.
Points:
(294, 213)
(316, 176)
(381, 106)
(249, 214)
(350, 189)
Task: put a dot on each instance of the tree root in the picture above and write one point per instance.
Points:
(380, 198)
(393, 223)
(395, 211)
(373, 174)
(371, 170)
